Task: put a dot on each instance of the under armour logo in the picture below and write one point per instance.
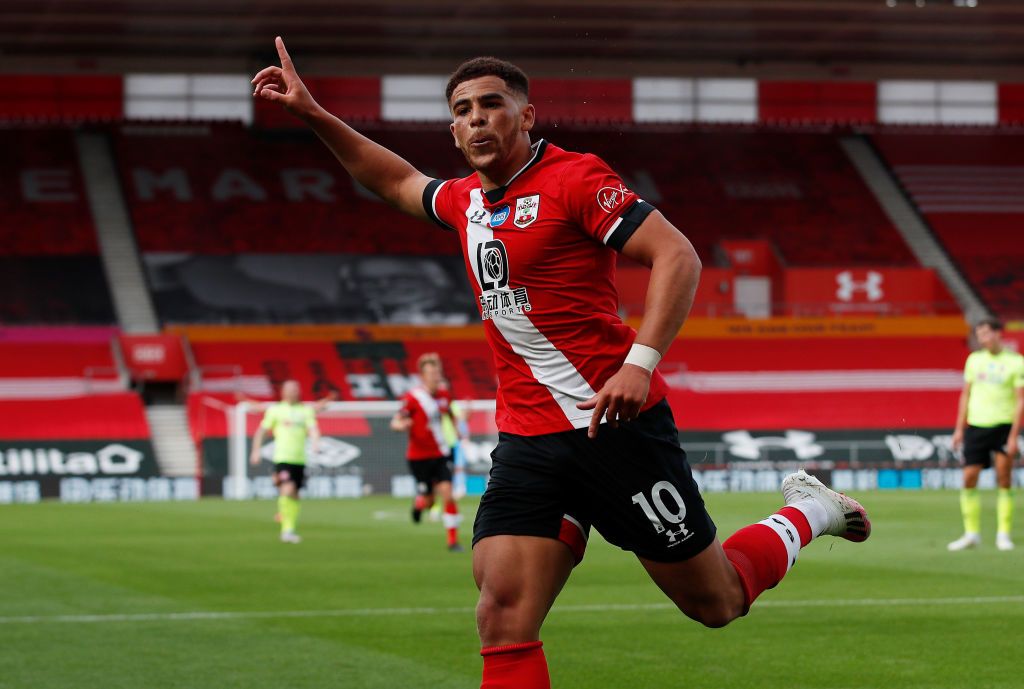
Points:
(479, 217)
(746, 446)
(872, 286)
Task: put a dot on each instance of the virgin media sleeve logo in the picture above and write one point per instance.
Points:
(610, 198)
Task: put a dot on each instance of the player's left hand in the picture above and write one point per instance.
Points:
(621, 398)
(1012, 449)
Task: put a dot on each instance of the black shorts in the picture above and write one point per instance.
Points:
(980, 443)
(632, 483)
(296, 473)
(429, 472)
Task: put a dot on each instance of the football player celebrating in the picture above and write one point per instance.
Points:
(587, 437)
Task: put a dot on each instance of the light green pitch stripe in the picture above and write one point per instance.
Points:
(389, 612)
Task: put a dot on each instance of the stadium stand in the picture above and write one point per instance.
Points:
(69, 425)
(823, 383)
(119, 416)
(209, 210)
(43, 363)
(716, 383)
(226, 237)
(721, 387)
(794, 188)
(49, 268)
(785, 186)
(222, 189)
(969, 186)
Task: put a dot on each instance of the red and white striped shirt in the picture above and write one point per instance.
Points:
(540, 255)
(426, 435)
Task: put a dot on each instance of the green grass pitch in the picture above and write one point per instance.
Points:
(895, 612)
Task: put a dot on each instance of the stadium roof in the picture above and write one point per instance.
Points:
(764, 38)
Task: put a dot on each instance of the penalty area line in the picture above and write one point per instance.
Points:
(558, 609)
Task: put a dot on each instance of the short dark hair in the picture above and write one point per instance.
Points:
(513, 77)
(993, 323)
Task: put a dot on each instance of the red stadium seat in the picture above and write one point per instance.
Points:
(715, 384)
(49, 268)
(970, 188)
(227, 190)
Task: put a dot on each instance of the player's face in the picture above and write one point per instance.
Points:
(290, 391)
(431, 376)
(491, 126)
(988, 337)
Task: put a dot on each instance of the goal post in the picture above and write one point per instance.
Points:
(358, 453)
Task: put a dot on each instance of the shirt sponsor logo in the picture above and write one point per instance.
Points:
(504, 302)
(497, 299)
(499, 216)
(492, 263)
(527, 209)
(610, 198)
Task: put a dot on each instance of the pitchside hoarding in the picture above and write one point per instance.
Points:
(369, 461)
(731, 461)
(756, 461)
(85, 471)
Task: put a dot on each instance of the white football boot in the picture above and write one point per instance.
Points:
(968, 540)
(290, 537)
(1003, 541)
(845, 517)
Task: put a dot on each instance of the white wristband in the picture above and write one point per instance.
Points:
(643, 356)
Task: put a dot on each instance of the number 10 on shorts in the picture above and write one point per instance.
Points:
(673, 517)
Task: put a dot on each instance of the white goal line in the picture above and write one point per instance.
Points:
(466, 610)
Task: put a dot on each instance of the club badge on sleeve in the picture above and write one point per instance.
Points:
(527, 209)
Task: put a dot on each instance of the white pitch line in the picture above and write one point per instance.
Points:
(386, 612)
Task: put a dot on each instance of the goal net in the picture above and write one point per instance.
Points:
(358, 453)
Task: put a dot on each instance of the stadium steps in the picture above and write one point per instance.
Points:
(909, 222)
(172, 441)
(120, 257)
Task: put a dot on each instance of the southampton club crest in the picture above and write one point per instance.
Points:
(527, 209)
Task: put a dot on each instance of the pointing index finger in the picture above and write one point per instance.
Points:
(282, 52)
(595, 418)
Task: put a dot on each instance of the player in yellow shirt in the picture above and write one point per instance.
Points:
(291, 422)
(988, 424)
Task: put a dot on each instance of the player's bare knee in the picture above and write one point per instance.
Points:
(716, 614)
(502, 620)
(713, 610)
(719, 614)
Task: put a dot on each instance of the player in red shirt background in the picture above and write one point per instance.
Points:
(587, 437)
(430, 458)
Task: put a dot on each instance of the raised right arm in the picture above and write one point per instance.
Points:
(386, 174)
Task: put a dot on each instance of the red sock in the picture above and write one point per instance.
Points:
(762, 553)
(519, 666)
(451, 521)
